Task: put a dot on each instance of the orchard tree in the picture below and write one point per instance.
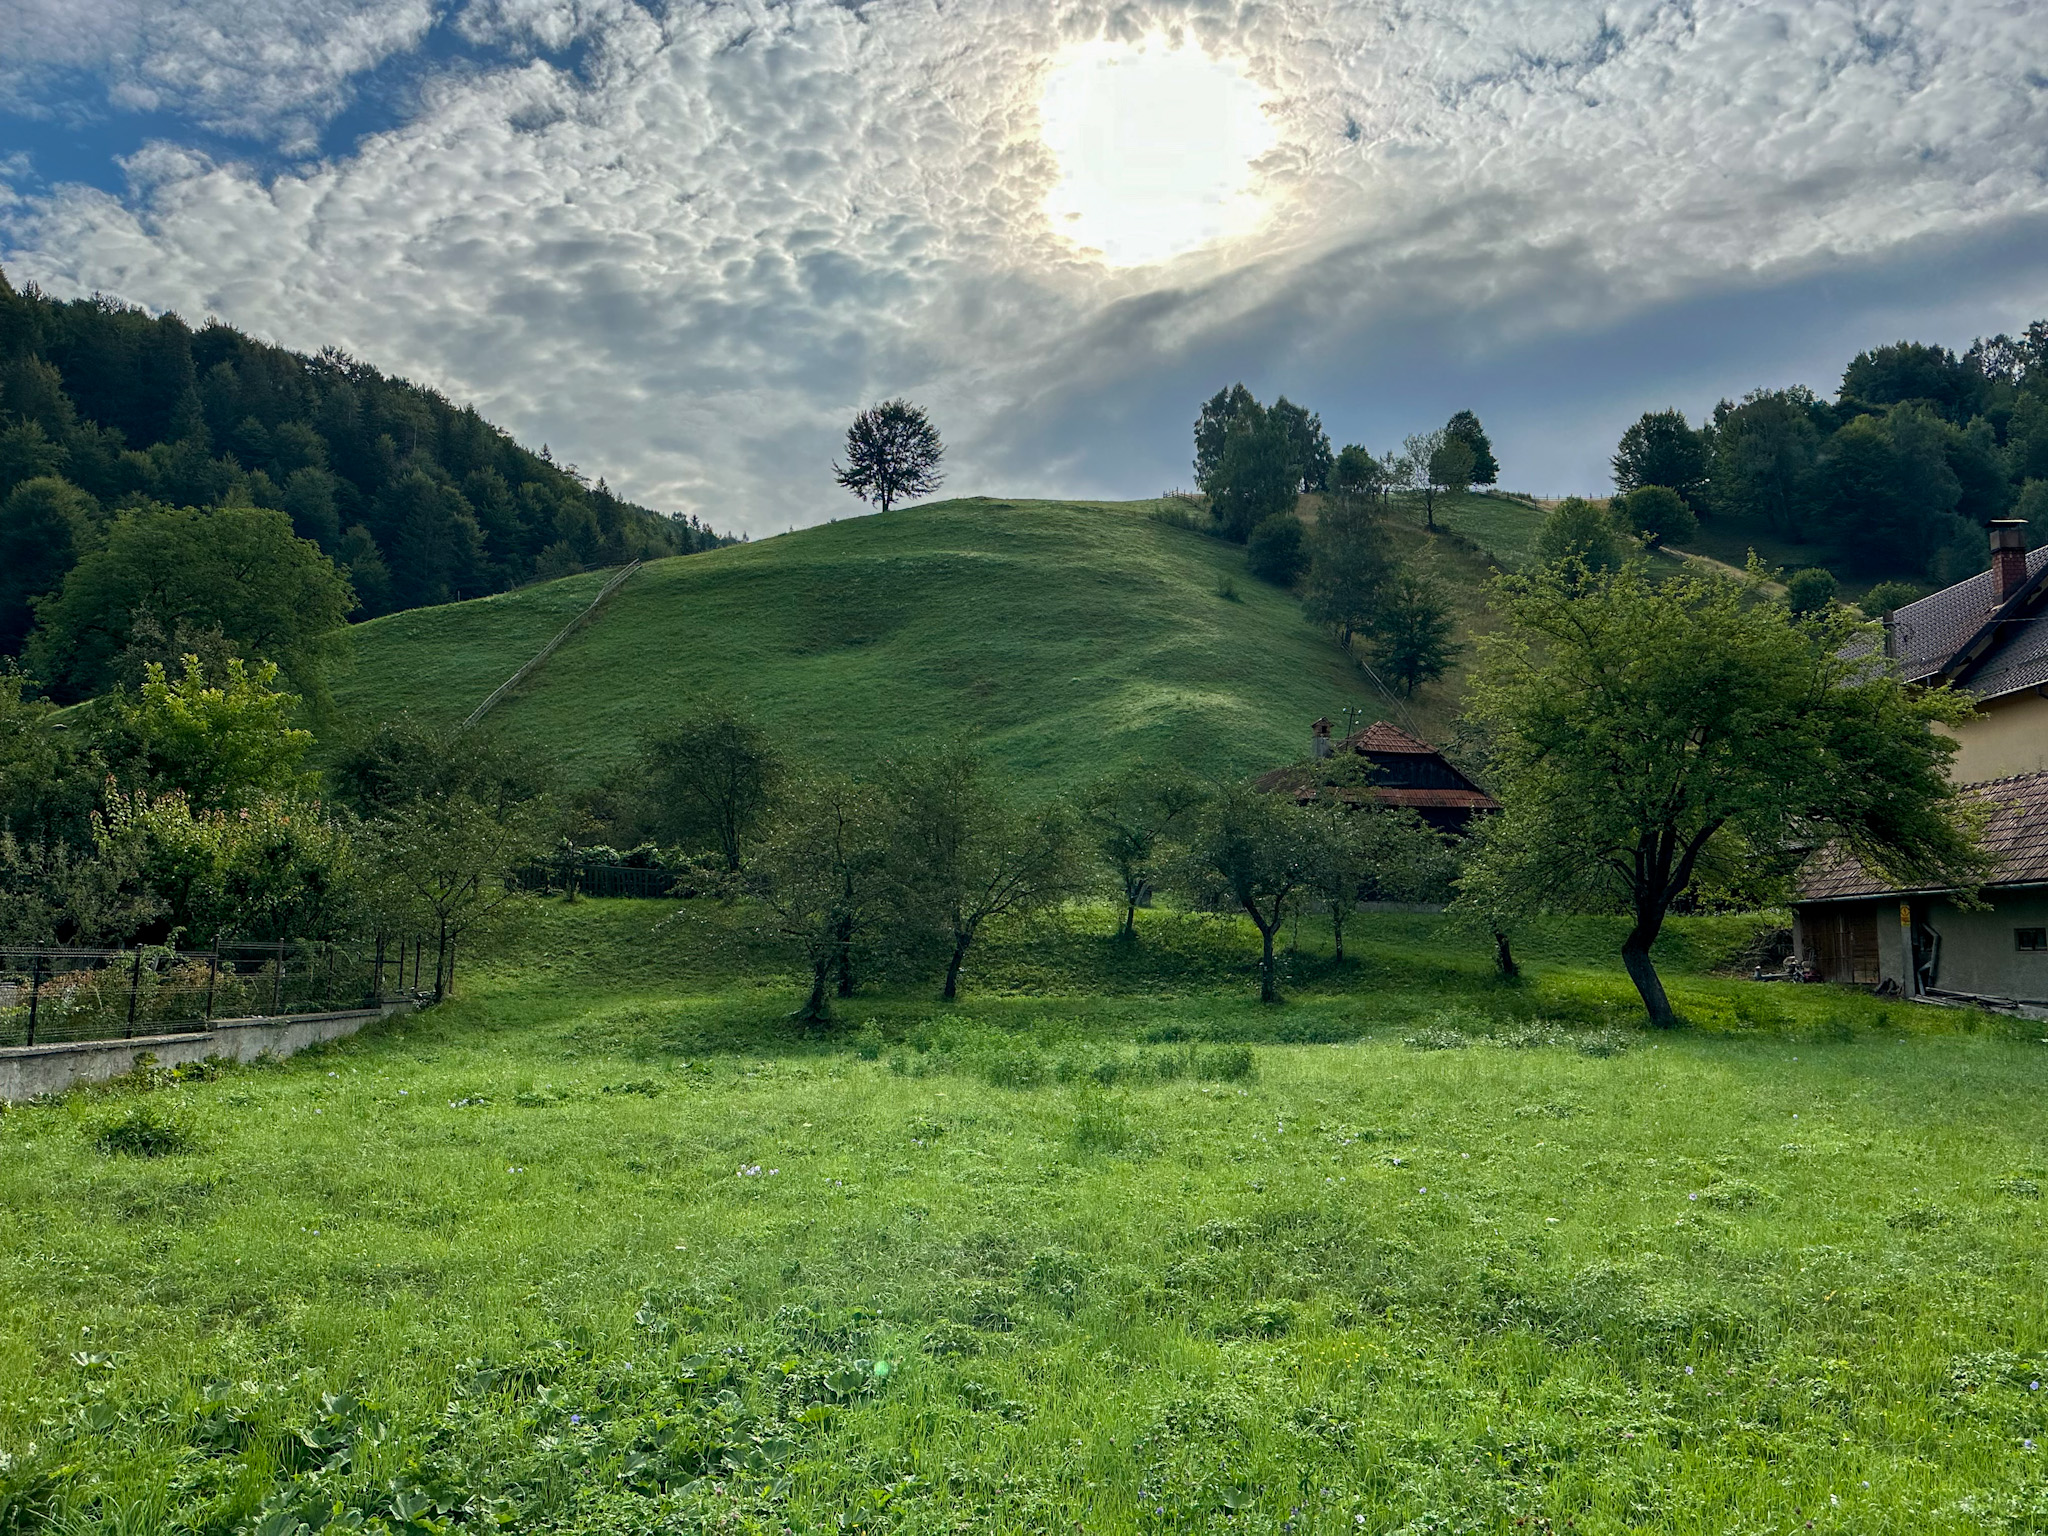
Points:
(823, 871)
(1651, 735)
(1371, 852)
(1130, 817)
(1254, 852)
(964, 853)
(892, 455)
(448, 866)
(712, 778)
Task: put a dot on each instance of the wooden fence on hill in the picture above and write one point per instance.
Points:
(549, 649)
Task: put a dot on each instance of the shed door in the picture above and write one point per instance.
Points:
(1845, 944)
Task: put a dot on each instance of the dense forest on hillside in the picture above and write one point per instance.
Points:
(1894, 477)
(108, 410)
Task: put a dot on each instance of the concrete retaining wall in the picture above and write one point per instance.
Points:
(29, 1070)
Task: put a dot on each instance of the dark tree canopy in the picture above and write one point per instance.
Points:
(1308, 445)
(417, 499)
(1256, 478)
(892, 455)
(1662, 449)
(1895, 476)
(1656, 514)
(1227, 409)
(1466, 429)
(1908, 370)
(1277, 550)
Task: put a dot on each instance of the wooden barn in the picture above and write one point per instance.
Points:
(1401, 770)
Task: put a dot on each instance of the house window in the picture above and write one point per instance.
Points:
(2030, 938)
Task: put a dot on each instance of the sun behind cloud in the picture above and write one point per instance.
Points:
(1155, 145)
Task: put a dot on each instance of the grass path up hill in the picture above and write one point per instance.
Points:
(1068, 637)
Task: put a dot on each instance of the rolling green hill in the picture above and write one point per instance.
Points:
(1068, 637)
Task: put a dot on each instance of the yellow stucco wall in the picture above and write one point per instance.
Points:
(2009, 736)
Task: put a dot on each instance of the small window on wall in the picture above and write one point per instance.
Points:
(2030, 938)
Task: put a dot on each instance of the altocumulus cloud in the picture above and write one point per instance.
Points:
(682, 242)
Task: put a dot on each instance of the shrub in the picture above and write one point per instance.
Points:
(1811, 590)
(1277, 550)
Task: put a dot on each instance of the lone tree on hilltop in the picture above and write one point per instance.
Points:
(1654, 736)
(1465, 427)
(892, 454)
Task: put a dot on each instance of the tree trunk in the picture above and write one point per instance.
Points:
(1337, 930)
(1635, 955)
(815, 1009)
(843, 938)
(1130, 928)
(1269, 989)
(1504, 957)
(960, 943)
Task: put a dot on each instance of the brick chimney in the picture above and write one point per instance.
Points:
(2008, 556)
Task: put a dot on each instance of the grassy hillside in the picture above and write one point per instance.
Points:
(1069, 637)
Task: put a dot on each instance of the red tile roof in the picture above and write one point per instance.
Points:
(2015, 834)
(1382, 737)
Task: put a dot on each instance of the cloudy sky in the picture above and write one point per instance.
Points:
(682, 240)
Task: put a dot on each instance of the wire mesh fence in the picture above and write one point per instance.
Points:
(49, 996)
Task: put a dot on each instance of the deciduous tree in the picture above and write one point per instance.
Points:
(712, 778)
(1662, 448)
(1253, 852)
(1465, 427)
(1646, 732)
(964, 853)
(1132, 816)
(1656, 514)
(892, 454)
(240, 570)
(823, 870)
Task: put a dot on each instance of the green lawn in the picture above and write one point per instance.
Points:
(1067, 637)
(609, 1246)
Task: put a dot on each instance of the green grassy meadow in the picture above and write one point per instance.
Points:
(1068, 638)
(609, 1245)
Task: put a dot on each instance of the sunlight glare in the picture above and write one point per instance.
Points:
(1155, 146)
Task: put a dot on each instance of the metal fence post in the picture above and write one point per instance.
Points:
(134, 986)
(277, 982)
(377, 972)
(35, 988)
(212, 973)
